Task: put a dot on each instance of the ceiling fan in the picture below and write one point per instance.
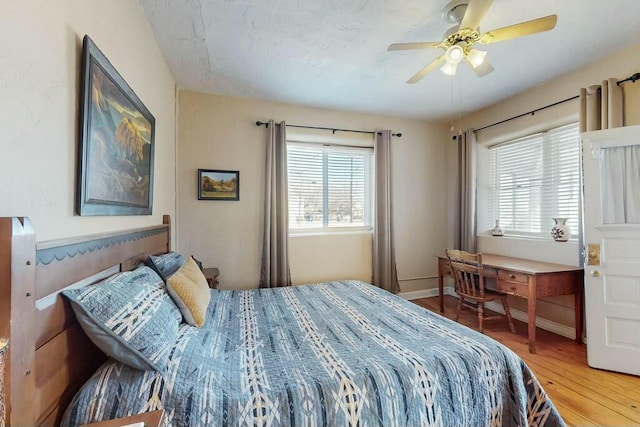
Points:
(458, 41)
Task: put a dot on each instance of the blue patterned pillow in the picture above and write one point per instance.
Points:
(130, 317)
(166, 264)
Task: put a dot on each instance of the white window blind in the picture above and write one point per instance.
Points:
(535, 179)
(329, 186)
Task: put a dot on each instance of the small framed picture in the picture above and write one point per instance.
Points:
(218, 184)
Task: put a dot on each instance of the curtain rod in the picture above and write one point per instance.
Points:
(632, 78)
(532, 112)
(334, 130)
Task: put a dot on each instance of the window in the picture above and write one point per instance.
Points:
(534, 179)
(329, 187)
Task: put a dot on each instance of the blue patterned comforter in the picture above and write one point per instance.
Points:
(332, 354)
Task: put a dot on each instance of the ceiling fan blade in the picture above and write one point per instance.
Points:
(518, 30)
(428, 68)
(409, 46)
(482, 69)
(476, 9)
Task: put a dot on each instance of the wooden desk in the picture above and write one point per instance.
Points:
(530, 280)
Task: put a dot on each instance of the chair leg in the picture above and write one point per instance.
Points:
(480, 316)
(459, 308)
(505, 305)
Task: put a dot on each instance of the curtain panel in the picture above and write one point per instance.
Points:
(385, 275)
(275, 271)
(601, 106)
(466, 227)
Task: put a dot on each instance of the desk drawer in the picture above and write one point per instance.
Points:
(490, 272)
(512, 276)
(513, 288)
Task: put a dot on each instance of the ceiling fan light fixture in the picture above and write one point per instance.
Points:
(476, 57)
(449, 68)
(454, 54)
(458, 41)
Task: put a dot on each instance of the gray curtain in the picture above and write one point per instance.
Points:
(385, 275)
(465, 227)
(601, 106)
(275, 245)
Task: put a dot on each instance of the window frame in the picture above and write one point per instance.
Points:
(549, 197)
(368, 191)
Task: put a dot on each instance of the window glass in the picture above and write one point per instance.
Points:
(329, 186)
(535, 179)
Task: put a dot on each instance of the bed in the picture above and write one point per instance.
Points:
(339, 353)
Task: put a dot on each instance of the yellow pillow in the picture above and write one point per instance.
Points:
(190, 291)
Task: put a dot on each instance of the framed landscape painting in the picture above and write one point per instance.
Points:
(218, 184)
(115, 154)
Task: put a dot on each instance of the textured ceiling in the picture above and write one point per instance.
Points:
(332, 53)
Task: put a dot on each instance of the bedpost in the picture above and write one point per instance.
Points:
(166, 219)
(17, 318)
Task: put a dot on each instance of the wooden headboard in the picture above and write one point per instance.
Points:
(50, 357)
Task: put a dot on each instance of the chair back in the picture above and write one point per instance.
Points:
(467, 272)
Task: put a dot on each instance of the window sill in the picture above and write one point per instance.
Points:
(520, 237)
(341, 232)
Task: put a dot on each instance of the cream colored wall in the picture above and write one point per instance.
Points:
(40, 53)
(322, 258)
(621, 65)
(218, 132)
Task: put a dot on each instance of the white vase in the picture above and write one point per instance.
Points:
(560, 231)
(497, 230)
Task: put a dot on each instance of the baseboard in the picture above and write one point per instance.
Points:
(424, 293)
(547, 325)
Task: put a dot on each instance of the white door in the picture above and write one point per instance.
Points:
(611, 162)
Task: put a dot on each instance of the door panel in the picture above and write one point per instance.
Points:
(621, 249)
(624, 290)
(623, 333)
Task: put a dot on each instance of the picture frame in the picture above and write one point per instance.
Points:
(116, 145)
(215, 184)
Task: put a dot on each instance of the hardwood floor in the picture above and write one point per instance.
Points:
(583, 395)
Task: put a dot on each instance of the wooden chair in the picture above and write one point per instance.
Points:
(468, 274)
